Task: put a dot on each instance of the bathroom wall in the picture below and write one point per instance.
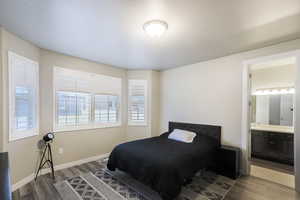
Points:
(279, 76)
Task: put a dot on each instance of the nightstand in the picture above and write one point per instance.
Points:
(228, 161)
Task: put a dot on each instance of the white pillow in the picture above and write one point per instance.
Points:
(182, 136)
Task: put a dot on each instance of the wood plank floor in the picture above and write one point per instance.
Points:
(246, 188)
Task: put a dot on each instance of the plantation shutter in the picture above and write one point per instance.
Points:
(137, 102)
(23, 97)
(85, 100)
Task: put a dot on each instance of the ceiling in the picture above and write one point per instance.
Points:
(110, 31)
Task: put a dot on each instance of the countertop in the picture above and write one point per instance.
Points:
(273, 128)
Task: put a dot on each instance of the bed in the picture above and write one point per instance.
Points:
(164, 164)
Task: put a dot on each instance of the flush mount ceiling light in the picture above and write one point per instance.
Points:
(155, 28)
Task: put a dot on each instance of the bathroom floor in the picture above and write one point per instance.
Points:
(273, 165)
(271, 171)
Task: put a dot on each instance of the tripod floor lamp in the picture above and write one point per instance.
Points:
(46, 155)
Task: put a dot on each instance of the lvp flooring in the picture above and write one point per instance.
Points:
(246, 188)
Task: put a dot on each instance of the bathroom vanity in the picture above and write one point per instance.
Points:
(273, 143)
(272, 132)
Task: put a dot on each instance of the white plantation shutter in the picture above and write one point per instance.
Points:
(23, 97)
(80, 81)
(137, 102)
(85, 100)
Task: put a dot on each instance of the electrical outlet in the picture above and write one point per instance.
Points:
(60, 150)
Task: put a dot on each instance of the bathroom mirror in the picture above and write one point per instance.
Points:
(273, 109)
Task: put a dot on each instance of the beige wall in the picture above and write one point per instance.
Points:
(155, 103)
(22, 153)
(77, 144)
(280, 76)
(211, 93)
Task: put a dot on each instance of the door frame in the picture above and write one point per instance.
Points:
(246, 97)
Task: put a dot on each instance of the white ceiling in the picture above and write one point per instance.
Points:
(110, 31)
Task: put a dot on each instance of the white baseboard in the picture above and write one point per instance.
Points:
(31, 177)
(22, 182)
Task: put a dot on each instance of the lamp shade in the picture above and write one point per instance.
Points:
(48, 137)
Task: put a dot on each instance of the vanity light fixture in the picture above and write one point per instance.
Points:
(155, 28)
(274, 91)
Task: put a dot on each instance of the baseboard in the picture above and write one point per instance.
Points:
(22, 182)
(31, 177)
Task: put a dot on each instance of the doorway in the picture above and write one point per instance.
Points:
(269, 127)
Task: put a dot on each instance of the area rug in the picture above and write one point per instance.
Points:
(106, 185)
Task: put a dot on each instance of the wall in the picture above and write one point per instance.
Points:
(204, 93)
(211, 93)
(85, 143)
(22, 153)
(280, 76)
(155, 104)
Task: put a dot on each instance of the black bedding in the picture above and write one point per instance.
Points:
(164, 164)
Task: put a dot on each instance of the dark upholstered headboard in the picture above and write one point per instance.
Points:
(209, 130)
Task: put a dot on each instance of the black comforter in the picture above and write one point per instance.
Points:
(163, 164)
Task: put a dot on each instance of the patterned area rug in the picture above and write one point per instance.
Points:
(106, 185)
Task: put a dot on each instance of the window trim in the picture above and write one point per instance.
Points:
(86, 127)
(129, 121)
(92, 125)
(13, 134)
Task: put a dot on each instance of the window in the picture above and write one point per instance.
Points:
(137, 102)
(73, 108)
(106, 108)
(85, 100)
(23, 97)
(23, 115)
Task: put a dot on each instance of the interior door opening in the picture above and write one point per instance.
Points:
(272, 115)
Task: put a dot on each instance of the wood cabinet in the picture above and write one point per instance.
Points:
(278, 147)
